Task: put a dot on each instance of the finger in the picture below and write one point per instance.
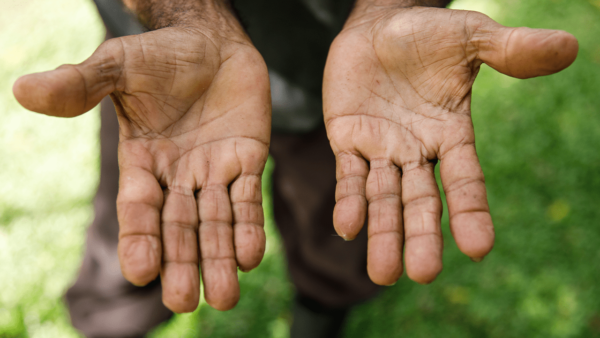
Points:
(218, 264)
(422, 214)
(384, 255)
(470, 219)
(72, 90)
(351, 204)
(138, 207)
(248, 221)
(180, 268)
(521, 52)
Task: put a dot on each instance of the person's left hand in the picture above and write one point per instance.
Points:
(397, 92)
(194, 118)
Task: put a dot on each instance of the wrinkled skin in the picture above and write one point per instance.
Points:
(194, 115)
(397, 94)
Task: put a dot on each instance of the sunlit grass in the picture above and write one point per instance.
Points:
(48, 169)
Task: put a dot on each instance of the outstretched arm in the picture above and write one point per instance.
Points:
(193, 104)
(397, 93)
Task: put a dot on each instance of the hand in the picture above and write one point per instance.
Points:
(194, 113)
(397, 92)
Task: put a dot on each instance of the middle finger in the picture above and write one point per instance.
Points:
(384, 256)
(422, 216)
(218, 264)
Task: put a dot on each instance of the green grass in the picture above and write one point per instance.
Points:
(538, 142)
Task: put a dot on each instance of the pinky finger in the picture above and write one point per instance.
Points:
(248, 218)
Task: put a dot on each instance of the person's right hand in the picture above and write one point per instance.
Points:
(397, 98)
(194, 112)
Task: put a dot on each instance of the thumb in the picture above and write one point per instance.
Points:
(72, 90)
(523, 52)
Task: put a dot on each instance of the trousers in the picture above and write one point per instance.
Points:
(322, 266)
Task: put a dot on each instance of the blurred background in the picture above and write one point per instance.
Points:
(539, 146)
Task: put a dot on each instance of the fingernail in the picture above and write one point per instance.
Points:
(342, 235)
(476, 259)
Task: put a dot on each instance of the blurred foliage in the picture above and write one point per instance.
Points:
(48, 168)
(538, 145)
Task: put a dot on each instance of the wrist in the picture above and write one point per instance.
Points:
(158, 14)
(214, 19)
(367, 10)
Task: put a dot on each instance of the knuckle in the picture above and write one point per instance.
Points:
(464, 183)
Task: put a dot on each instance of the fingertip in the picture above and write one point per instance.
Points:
(179, 307)
(344, 233)
(60, 92)
(423, 280)
(224, 304)
(349, 216)
(249, 264)
(32, 93)
(525, 52)
(384, 278)
(250, 242)
(223, 301)
(221, 286)
(424, 274)
(477, 259)
(424, 258)
(384, 258)
(140, 263)
(552, 51)
(19, 92)
(540, 52)
(474, 233)
(567, 48)
(70, 90)
(181, 286)
(477, 251)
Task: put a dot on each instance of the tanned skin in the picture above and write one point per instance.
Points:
(397, 96)
(193, 104)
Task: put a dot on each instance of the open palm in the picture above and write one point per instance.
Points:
(397, 94)
(194, 116)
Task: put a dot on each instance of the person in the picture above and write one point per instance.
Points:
(193, 99)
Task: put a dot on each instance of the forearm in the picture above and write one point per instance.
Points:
(156, 14)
